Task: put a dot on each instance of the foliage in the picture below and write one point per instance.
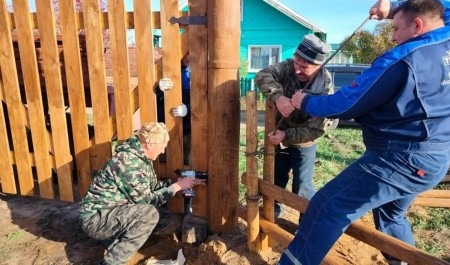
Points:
(243, 68)
(365, 46)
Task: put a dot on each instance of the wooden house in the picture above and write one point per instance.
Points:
(270, 32)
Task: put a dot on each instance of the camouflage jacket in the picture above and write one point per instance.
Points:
(280, 79)
(127, 178)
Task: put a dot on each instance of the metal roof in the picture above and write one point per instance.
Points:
(295, 16)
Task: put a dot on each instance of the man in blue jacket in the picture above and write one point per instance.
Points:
(384, 9)
(402, 104)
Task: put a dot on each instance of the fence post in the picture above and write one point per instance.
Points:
(252, 197)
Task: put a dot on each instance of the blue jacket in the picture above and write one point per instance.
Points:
(446, 4)
(404, 97)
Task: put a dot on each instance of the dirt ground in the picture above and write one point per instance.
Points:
(42, 232)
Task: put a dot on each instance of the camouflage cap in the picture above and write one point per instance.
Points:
(153, 133)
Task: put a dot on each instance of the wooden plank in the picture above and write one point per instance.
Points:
(253, 240)
(432, 202)
(101, 151)
(198, 60)
(7, 182)
(170, 34)
(268, 166)
(223, 113)
(72, 62)
(445, 194)
(34, 98)
(446, 179)
(55, 97)
(14, 105)
(104, 20)
(145, 59)
(121, 72)
(283, 237)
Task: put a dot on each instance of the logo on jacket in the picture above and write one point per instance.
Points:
(447, 81)
(446, 59)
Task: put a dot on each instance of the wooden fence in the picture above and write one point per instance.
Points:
(260, 228)
(58, 80)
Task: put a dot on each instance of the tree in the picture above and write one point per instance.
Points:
(365, 46)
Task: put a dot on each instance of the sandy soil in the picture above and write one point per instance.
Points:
(41, 232)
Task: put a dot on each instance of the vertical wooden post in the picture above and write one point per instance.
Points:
(223, 112)
(252, 174)
(198, 54)
(269, 165)
(170, 34)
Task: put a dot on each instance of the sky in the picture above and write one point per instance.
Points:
(339, 18)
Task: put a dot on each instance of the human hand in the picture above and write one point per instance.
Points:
(284, 106)
(297, 99)
(276, 137)
(187, 183)
(380, 10)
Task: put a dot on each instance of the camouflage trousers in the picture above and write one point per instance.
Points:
(125, 228)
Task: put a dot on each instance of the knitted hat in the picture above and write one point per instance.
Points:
(153, 133)
(313, 49)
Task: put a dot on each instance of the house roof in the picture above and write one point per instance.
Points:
(294, 15)
(182, 4)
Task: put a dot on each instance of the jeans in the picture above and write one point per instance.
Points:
(301, 161)
(386, 182)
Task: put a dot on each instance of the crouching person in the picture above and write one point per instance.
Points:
(121, 205)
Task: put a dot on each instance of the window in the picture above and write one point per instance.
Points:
(262, 56)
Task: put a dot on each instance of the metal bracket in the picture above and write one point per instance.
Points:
(188, 20)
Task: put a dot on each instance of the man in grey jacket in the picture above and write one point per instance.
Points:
(294, 139)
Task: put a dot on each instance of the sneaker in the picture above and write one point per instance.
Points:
(278, 210)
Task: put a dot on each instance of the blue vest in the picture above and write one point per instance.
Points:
(403, 97)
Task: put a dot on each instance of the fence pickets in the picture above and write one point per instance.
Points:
(101, 151)
(16, 115)
(44, 119)
(55, 97)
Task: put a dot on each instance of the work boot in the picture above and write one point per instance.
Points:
(168, 223)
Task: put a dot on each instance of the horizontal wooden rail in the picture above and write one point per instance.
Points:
(432, 202)
(358, 230)
(281, 236)
(129, 18)
(444, 194)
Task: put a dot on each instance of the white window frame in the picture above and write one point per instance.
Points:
(249, 59)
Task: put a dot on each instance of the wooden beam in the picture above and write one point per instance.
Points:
(198, 59)
(129, 19)
(358, 230)
(252, 195)
(223, 112)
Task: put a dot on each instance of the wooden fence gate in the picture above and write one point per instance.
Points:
(58, 80)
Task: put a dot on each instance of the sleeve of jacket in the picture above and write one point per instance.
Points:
(314, 128)
(140, 184)
(270, 79)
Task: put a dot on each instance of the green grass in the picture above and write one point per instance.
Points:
(335, 151)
